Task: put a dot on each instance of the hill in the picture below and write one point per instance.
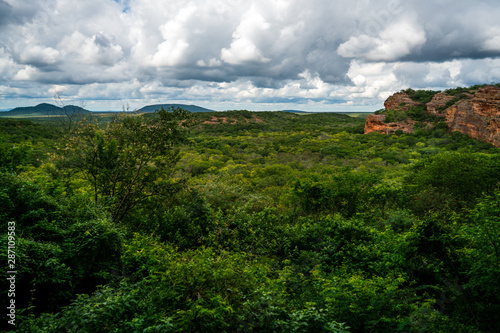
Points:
(45, 109)
(190, 108)
(295, 111)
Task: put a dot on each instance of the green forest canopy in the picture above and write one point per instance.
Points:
(249, 222)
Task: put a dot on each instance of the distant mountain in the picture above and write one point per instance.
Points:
(295, 111)
(46, 109)
(190, 108)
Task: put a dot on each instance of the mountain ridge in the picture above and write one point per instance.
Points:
(51, 109)
(190, 107)
(46, 109)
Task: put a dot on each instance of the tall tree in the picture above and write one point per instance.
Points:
(66, 115)
(128, 161)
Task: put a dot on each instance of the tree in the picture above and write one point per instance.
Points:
(453, 179)
(128, 161)
(67, 115)
(343, 193)
(484, 229)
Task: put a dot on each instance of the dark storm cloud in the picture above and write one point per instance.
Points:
(5, 13)
(457, 30)
(281, 51)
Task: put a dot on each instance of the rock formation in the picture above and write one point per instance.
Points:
(399, 100)
(375, 123)
(438, 101)
(475, 113)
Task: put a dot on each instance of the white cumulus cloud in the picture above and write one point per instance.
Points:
(397, 40)
(243, 47)
(286, 52)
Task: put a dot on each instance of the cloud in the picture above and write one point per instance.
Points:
(377, 80)
(171, 51)
(8, 66)
(249, 51)
(5, 13)
(40, 56)
(95, 50)
(492, 40)
(243, 48)
(394, 42)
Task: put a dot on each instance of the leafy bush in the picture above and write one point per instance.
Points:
(418, 113)
(343, 193)
(393, 116)
(273, 175)
(457, 178)
(44, 279)
(25, 203)
(421, 96)
(337, 151)
(128, 161)
(483, 225)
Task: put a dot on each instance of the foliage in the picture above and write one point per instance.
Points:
(23, 143)
(417, 113)
(128, 161)
(421, 96)
(12, 156)
(484, 270)
(263, 222)
(182, 219)
(462, 90)
(342, 193)
(19, 130)
(452, 180)
(59, 255)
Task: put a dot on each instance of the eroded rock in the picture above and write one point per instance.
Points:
(474, 114)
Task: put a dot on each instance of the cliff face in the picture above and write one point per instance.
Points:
(399, 100)
(438, 101)
(475, 113)
(376, 123)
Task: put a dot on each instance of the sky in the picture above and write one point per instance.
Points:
(312, 55)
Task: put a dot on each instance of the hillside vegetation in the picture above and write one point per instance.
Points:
(245, 221)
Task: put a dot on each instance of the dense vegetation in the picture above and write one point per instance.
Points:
(421, 96)
(250, 222)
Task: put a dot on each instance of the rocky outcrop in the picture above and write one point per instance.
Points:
(375, 123)
(486, 101)
(399, 100)
(478, 117)
(474, 113)
(438, 102)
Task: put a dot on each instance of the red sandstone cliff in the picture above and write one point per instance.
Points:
(399, 100)
(476, 114)
(375, 123)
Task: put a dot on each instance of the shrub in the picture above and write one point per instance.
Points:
(421, 96)
(454, 179)
(343, 193)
